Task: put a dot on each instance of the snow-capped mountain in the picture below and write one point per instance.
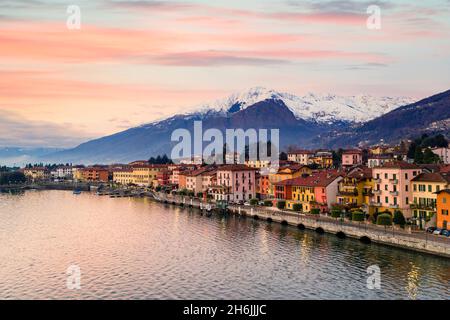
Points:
(323, 108)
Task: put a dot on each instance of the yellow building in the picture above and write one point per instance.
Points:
(257, 163)
(323, 159)
(36, 173)
(424, 195)
(123, 176)
(355, 190)
(144, 175)
(286, 173)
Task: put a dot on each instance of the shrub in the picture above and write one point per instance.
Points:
(253, 202)
(399, 219)
(315, 211)
(268, 203)
(200, 195)
(335, 213)
(281, 205)
(297, 207)
(384, 219)
(358, 216)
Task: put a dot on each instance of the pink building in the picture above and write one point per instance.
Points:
(234, 183)
(352, 157)
(201, 179)
(392, 189)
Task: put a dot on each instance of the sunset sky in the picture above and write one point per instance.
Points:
(135, 61)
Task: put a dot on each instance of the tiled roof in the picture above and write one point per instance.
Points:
(235, 167)
(432, 177)
(320, 179)
(399, 165)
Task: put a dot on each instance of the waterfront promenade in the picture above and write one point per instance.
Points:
(364, 231)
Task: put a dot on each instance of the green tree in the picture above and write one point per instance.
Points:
(268, 203)
(315, 211)
(399, 219)
(281, 205)
(358, 216)
(430, 157)
(336, 213)
(384, 219)
(297, 207)
(253, 202)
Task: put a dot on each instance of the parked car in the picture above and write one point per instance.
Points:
(431, 229)
(437, 231)
(261, 203)
(246, 203)
(445, 233)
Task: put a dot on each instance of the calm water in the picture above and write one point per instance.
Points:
(137, 249)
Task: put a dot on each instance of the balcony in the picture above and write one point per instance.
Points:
(377, 180)
(427, 207)
(376, 191)
(394, 193)
(393, 206)
(393, 181)
(375, 204)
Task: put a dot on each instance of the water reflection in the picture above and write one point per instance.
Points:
(135, 248)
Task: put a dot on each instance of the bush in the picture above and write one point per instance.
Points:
(335, 213)
(200, 195)
(268, 203)
(297, 207)
(358, 216)
(399, 219)
(253, 202)
(281, 205)
(384, 219)
(315, 211)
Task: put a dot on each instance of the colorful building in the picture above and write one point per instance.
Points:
(318, 190)
(352, 157)
(355, 189)
(443, 153)
(442, 209)
(301, 156)
(37, 173)
(424, 194)
(123, 176)
(392, 187)
(95, 174)
(323, 159)
(234, 183)
(201, 179)
(285, 173)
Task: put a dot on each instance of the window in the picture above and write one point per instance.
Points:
(406, 188)
(386, 199)
(430, 188)
(394, 176)
(385, 175)
(407, 200)
(395, 200)
(444, 200)
(415, 187)
(444, 212)
(406, 176)
(386, 187)
(438, 188)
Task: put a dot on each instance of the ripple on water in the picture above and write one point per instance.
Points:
(136, 249)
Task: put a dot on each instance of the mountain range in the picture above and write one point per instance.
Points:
(310, 121)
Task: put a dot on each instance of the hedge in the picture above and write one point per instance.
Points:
(268, 203)
(253, 202)
(358, 216)
(297, 207)
(281, 205)
(315, 211)
(384, 219)
(335, 213)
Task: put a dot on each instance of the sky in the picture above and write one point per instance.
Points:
(132, 62)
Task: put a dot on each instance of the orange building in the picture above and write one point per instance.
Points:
(442, 209)
(95, 174)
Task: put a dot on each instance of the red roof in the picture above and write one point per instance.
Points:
(319, 179)
(399, 165)
(235, 167)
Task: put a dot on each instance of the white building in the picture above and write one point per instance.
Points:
(443, 153)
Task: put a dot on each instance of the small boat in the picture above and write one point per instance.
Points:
(76, 191)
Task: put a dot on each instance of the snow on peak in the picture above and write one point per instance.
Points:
(312, 107)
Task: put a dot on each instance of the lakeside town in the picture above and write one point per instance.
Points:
(403, 185)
